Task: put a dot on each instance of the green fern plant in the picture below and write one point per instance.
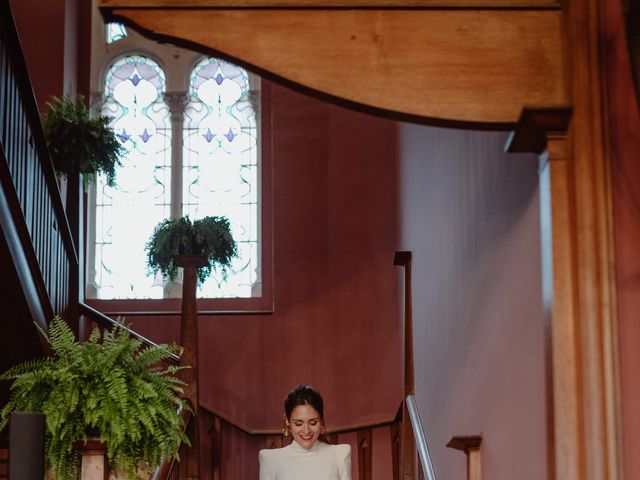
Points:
(79, 141)
(111, 384)
(210, 237)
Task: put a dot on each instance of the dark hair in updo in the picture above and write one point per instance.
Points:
(303, 395)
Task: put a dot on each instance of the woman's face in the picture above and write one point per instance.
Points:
(305, 425)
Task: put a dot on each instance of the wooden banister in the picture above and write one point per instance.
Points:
(31, 213)
(107, 322)
(411, 434)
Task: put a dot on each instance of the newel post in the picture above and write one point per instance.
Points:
(470, 445)
(189, 343)
(93, 464)
(407, 438)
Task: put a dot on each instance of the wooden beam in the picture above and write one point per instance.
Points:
(329, 4)
(456, 67)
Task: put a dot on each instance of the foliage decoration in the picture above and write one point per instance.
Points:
(110, 384)
(79, 142)
(209, 237)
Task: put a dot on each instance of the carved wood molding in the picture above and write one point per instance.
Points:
(465, 443)
(534, 125)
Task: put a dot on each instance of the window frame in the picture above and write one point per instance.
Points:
(134, 44)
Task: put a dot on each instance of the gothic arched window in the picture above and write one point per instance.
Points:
(134, 89)
(220, 165)
(189, 150)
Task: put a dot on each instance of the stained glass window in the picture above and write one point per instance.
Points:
(220, 167)
(126, 214)
(115, 32)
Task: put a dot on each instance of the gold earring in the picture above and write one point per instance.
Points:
(285, 431)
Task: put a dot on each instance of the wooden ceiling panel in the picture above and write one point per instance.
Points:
(447, 66)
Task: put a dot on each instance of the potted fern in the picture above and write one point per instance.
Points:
(110, 384)
(80, 142)
(209, 238)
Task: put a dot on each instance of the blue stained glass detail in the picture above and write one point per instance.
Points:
(124, 136)
(208, 136)
(219, 79)
(145, 136)
(135, 80)
(230, 135)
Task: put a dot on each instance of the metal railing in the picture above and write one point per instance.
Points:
(421, 440)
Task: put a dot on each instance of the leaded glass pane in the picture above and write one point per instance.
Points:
(220, 166)
(115, 32)
(127, 214)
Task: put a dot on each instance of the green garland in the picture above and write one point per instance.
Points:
(77, 141)
(209, 237)
(110, 384)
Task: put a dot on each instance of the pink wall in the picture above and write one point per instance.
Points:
(624, 138)
(336, 318)
(470, 215)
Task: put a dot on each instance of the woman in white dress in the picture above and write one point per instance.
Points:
(309, 456)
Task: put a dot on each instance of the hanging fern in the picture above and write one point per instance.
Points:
(78, 140)
(111, 384)
(209, 237)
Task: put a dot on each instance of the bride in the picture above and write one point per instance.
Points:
(309, 456)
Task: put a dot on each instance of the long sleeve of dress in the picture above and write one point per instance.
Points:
(344, 462)
(266, 468)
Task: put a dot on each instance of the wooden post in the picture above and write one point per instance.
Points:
(364, 454)
(407, 438)
(215, 433)
(470, 445)
(75, 215)
(189, 342)
(94, 464)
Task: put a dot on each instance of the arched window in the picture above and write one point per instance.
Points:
(220, 166)
(191, 149)
(134, 89)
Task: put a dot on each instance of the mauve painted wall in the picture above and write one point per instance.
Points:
(55, 38)
(624, 138)
(336, 323)
(41, 27)
(470, 215)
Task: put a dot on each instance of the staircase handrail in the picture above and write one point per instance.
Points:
(421, 440)
(107, 322)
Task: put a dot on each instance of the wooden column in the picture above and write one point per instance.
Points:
(578, 355)
(189, 343)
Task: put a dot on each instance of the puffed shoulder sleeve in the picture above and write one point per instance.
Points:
(266, 465)
(344, 461)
